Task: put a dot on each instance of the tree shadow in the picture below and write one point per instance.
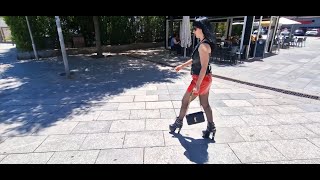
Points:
(196, 149)
(34, 96)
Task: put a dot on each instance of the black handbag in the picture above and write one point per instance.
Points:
(195, 118)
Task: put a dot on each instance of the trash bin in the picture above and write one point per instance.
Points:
(260, 47)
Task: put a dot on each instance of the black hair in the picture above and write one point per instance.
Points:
(207, 30)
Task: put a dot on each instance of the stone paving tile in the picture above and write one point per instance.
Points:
(146, 98)
(229, 121)
(134, 93)
(259, 151)
(227, 135)
(257, 110)
(56, 128)
(231, 111)
(84, 116)
(166, 155)
(165, 97)
(2, 139)
(103, 141)
(121, 99)
(145, 114)
(262, 95)
(114, 115)
(262, 102)
(29, 158)
(287, 109)
(293, 131)
(127, 125)
(285, 101)
(259, 120)
(2, 157)
(92, 127)
(302, 161)
(236, 103)
(159, 105)
(315, 141)
(143, 139)
(290, 118)
(193, 104)
(314, 127)
(61, 143)
(240, 95)
(310, 107)
(158, 124)
(167, 114)
(217, 103)
(106, 106)
(21, 144)
(74, 157)
(121, 156)
(133, 105)
(214, 96)
(257, 133)
(157, 92)
(297, 148)
(314, 116)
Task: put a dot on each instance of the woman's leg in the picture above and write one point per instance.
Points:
(204, 101)
(183, 110)
(185, 104)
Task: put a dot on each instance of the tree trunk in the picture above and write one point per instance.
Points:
(97, 36)
(171, 26)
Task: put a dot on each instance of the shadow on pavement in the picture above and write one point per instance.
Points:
(34, 96)
(196, 149)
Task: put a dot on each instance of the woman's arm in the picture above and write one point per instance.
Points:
(187, 63)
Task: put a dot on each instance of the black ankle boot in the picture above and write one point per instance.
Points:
(210, 129)
(177, 124)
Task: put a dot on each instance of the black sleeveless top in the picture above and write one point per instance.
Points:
(196, 64)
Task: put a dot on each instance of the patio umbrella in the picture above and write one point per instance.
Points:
(286, 21)
(185, 33)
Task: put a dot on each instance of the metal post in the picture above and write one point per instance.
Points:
(242, 36)
(230, 27)
(226, 25)
(63, 48)
(255, 48)
(33, 45)
(275, 30)
(268, 37)
(247, 53)
(167, 34)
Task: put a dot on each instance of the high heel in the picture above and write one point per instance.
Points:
(210, 129)
(177, 124)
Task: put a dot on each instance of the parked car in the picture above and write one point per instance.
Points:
(285, 33)
(299, 32)
(312, 32)
(262, 31)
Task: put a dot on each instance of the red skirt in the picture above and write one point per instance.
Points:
(205, 85)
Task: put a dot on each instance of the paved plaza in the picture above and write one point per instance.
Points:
(117, 110)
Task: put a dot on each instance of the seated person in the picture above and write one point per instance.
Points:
(175, 44)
